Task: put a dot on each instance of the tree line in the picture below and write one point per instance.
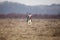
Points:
(37, 16)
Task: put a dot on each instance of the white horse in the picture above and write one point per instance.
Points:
(29, 22)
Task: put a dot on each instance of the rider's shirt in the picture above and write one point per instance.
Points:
(29, 16)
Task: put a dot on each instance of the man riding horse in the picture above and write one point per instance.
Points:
(29, 19)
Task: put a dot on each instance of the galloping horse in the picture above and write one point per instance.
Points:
(29, 21)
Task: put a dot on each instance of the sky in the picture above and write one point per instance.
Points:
(35, 2)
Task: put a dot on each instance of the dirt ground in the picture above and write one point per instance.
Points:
(18, 29)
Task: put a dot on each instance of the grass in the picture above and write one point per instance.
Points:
(41, 29)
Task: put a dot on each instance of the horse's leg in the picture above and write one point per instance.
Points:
(29, 22)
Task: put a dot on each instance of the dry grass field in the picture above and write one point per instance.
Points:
(41, 29)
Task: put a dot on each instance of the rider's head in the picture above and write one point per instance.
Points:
(29, 13)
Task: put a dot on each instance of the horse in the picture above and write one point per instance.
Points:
(29, 22)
